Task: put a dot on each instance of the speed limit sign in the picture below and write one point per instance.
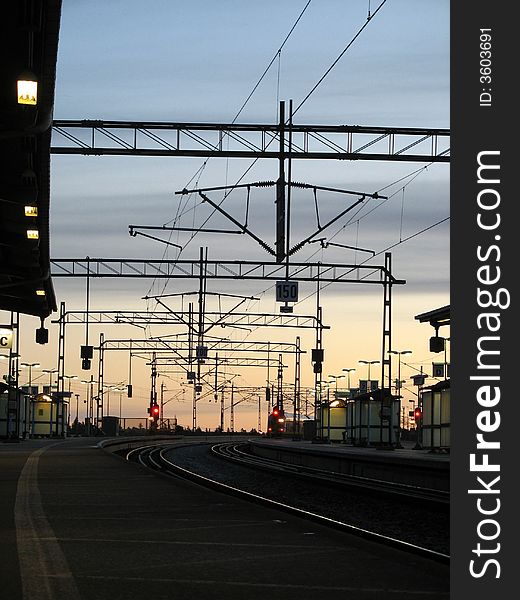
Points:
(287, 291)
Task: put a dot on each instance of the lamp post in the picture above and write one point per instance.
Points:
(348, 406)
(120, 404)
(398, 390)
(70, 378)
(77, 413)
(348, 372)
(50, 372)
(90, 407)
(327, 384)
(223, 386)
(335, 378)
(369, 363)
(30, 366)
(399, 353)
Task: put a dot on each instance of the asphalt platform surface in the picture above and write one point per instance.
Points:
(80, 524)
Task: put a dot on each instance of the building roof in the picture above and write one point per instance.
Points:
(28, 42)
(440, 385)
(375, 395)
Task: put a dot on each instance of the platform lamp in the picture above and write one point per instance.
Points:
(27, 88)
(77, 414)
(51, 372)
(89, 403)
(327, 384)
(70, 378)
(30, 366)
(335, 381)
(369, 363)
(399, 353)
(348, 372)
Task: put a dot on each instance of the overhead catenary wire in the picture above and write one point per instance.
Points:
(199, 171)
(402, 215)
(277, 55)
(419, 171)
(347, 47)
(382, 251)
(369, 18)
(411, 176)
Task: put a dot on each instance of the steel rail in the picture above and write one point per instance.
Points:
(167, 467)
(234, 452)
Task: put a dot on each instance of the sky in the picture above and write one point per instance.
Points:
(198, 61)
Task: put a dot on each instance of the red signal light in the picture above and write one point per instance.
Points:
(275, 411)
(417, 414)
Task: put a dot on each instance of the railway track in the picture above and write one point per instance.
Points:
(237, 452)
(154, 457)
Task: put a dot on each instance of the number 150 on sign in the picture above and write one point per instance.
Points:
(287, 291)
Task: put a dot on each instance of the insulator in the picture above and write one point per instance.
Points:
(296, 248)
(264, 183)
(301, 184)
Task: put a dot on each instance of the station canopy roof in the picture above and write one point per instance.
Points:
(436, 318)
(29, 31)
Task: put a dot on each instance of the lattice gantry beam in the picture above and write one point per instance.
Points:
(163, 365)
(212, 269)
(340, 142)
(163, 345)
(142, 318)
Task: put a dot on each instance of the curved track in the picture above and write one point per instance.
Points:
(153, 457)
(237, 452)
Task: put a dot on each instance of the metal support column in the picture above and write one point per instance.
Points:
(280, 190)
(317, 376)
(222, 411)
(279, 381)
(153, 391)
(232, 413)
(194, 409)
(386, 362)
(60, 387)
(101, 367)
(297, 407)
(162, 421)
(13, 397)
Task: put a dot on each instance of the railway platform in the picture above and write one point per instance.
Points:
(82, 524)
